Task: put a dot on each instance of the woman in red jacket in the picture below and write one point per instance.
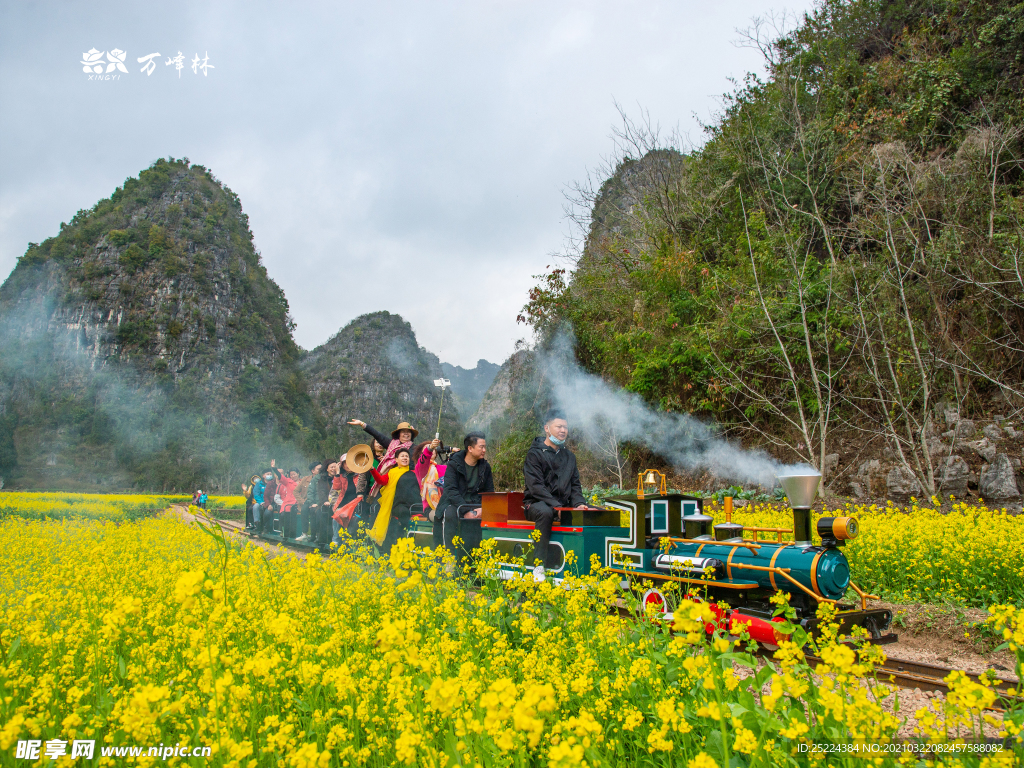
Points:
(286, 490)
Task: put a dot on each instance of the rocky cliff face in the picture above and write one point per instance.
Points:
(470, 385)
(374, 370)
(145, 343)
(145, 346)
(514, 384)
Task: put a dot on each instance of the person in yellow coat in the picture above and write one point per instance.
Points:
(399, 498)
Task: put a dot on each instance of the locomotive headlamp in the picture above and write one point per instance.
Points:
(836, 530)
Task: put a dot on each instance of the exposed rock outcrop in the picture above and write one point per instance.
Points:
(497, 402)
(470, 385)
(831, 464)
(901, 484)
(952, 475)
(998, 482)
(984, 448)
(992, 432)
(868, 481)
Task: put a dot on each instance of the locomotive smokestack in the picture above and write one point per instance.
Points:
(800, 490)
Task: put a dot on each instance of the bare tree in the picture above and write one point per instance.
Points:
(784, 362)
(611, 450)
(937, 290)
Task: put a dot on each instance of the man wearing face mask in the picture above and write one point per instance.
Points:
(552, 480)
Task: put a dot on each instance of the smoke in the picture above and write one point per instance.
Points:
(402, 354)
(89, 421)
(601, 410)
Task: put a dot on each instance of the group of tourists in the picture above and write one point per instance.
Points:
(410, 480)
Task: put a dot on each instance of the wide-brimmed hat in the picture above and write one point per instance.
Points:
(359, 459)
(404, 425)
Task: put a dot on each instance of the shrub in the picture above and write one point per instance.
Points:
(119, 237)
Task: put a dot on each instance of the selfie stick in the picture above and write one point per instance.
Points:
(442, 383)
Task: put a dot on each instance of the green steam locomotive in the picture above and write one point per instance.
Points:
(653, 539)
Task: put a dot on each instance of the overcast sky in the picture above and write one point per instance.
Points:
(402, 156)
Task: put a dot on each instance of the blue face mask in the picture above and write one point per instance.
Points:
(555, 440)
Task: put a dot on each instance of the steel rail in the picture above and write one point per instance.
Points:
(930, 677)
(239, 527)
(900, 672)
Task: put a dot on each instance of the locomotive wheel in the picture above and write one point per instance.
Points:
(654, 597)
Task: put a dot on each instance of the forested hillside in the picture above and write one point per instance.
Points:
(144, 345)
(836, 271)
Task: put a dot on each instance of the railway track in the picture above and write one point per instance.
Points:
(929, 677)
(900, 672)
(238, 527)
(903, 673)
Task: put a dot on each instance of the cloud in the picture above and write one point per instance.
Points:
(400, 156)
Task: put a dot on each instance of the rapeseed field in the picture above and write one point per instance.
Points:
(98, 506)
(158, 632)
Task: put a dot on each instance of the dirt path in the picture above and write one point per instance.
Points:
(946, 635)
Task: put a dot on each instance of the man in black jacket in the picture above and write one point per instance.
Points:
(552, 480)
(467, 476)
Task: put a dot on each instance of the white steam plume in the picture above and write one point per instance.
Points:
(597, 408)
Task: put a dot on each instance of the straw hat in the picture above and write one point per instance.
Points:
(402, 426)
(358, 459)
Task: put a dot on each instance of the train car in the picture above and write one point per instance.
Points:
(654, 539)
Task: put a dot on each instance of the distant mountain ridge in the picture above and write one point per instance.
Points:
(470, 384)
(145, 346)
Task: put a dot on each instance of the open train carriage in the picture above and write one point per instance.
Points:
(504, 521)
